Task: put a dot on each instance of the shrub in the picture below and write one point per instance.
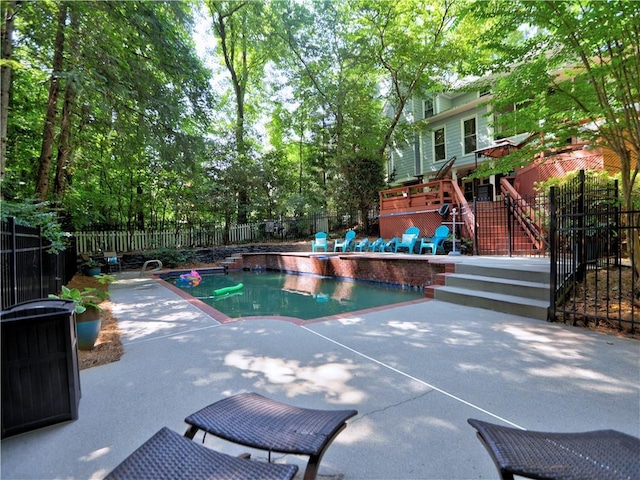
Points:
(171, 257)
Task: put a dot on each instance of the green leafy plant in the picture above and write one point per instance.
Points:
(172, 257)
(83, 299)
(105, 279)
(91, 263)
(38, 214)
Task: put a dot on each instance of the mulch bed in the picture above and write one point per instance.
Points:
(108, 347)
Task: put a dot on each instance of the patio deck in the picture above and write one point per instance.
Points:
(415, 374)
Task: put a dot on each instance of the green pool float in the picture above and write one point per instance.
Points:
(225, 290)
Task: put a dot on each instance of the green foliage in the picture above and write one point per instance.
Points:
(589, 175)
(171, 257)
(154, 140)
(575, 74)
(139, 113)
(362, 179)
(87, 297)
(38, 214)
(91, 263)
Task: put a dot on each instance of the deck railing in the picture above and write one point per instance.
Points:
(426, 198)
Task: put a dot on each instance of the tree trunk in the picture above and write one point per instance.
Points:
(5, 79)
(65, 148)
(44, 162)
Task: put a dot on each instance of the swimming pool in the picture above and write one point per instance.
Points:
(269, 293)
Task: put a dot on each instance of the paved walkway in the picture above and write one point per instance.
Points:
(415, 373)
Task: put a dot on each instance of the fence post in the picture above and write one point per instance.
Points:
(510, 211)
(475, 230)
(553, 253)
(41, 262)
(14, 259)
(581, 267)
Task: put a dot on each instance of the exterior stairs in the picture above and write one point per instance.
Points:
(493, 233)
(233, 262)
(516, 290)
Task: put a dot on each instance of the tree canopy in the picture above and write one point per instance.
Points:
(574, 71)
(113, 118)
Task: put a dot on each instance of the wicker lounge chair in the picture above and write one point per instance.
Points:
(601, 455)
(169, 456)
(254, 421)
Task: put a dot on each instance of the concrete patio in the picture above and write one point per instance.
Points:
(415, 374)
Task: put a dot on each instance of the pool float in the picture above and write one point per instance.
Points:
(218, 298)
(225, 290)
(191, 279)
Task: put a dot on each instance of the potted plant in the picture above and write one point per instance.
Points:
(92, 267)
(87, 309)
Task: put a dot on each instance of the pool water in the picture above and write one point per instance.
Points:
(268, 293)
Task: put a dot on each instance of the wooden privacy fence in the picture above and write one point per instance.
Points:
(202, 236)
(120, 241)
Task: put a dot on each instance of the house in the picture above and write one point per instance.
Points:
(453, 135)
(450, 124)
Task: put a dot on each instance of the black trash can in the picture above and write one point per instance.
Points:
(40, 374)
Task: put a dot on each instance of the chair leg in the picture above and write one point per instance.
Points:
(311, 472)
(503, 475)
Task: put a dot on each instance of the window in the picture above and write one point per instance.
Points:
(469, 134)
(428, 108)
(506, 122)
(438, 145)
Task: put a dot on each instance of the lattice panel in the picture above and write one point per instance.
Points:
(427, 222)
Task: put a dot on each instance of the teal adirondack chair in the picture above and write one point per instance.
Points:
(408, 239)
(442, 232)
(389, 245)
(375, 246)
(362, 245)
(347, 243)
(320, 242)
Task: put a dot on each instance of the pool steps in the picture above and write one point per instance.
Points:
(513, 290)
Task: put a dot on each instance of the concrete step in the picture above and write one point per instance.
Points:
(232, 262)
(513, 305)
(519, 288)
(529, 274)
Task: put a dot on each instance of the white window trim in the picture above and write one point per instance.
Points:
(463, 136)
(433, 144)
(424, 109)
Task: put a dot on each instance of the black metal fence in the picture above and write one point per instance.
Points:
(27, 270)
(512, 226)
(594, 271)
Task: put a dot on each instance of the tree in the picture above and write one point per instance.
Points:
(44, 162)
(7, 11)
(363, 180)
(412, 43)
(133, 107)
(244, 43)
(576, 75)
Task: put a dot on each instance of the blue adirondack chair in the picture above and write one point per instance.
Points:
(362, 245)
(320, 242)
(347, 243)
(389, 245)
(375, 246)
(442, 232)
(408, 239)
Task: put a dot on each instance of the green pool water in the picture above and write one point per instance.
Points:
(267, 293)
